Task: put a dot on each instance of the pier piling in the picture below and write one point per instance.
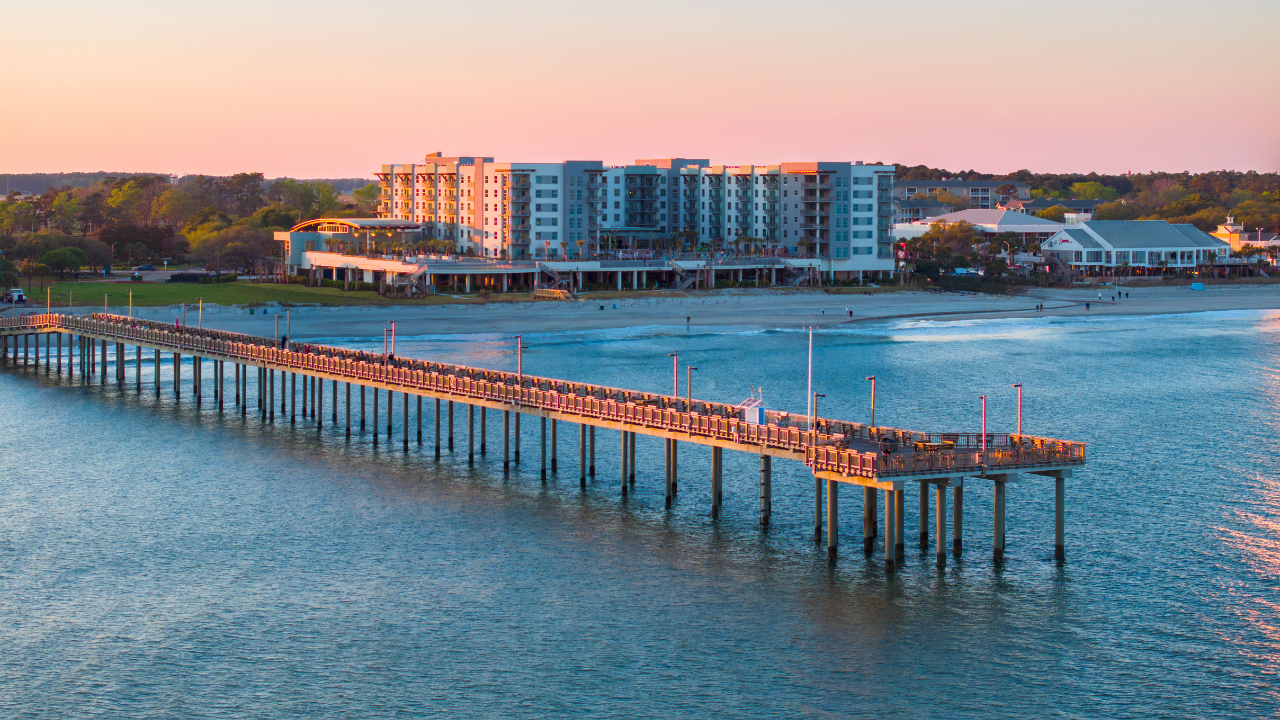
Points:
(833, 518)
(766, 489)
(940, 509)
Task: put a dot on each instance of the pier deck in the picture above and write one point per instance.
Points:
(837, 451)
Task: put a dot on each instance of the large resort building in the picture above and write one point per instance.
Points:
(836, 211)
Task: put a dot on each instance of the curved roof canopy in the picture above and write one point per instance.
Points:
(353, 224)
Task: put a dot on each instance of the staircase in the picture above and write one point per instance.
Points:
(684, 278)
(556, 281)
(799, 275)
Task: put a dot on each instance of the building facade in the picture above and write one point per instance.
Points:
(834, 210)
(980, 193)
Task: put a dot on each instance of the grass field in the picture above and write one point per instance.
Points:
(90, 294)
(238, 293)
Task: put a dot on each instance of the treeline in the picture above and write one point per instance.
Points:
(1202, 199)
(222, 221)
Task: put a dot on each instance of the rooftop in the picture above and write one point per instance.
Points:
(1123, 234)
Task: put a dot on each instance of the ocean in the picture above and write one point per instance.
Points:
(168, 561)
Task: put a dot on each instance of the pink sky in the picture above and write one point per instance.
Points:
(323, 89)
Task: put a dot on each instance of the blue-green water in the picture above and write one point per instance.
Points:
(158, 560)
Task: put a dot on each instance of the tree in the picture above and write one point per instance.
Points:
(1057, 213)
(1007, 192)
(367, 197)
(1119, 211)
(64, 260)
(66, 208)
(238, 245)
(243, 193)
(997, 243)
(955, 202)
(175, 207)
(1093, 190)
(943, 240)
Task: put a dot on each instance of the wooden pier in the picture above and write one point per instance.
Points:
(882, 460)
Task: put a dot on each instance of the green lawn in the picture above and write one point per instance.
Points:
(237, 293)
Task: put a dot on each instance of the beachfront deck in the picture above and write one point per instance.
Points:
(837, 451)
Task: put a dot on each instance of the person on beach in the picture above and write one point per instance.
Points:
(1086, 306)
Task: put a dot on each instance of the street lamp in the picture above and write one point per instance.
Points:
(1019, 386)
(111, 261)
(872, 378)
(983, 398)
(688, 388)
(675, 374)
(277, 335)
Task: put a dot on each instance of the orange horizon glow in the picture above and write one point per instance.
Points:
(335, 90)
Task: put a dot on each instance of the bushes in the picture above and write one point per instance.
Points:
(213, 279)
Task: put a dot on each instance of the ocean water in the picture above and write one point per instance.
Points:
(168, 561)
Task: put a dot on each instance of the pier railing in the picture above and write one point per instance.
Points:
(839, 446)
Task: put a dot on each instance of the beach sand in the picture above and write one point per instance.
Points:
(753, 308)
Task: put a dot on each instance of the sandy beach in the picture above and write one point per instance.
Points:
(729, 308)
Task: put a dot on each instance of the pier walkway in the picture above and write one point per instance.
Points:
(880, 459)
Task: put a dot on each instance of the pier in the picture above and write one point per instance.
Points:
(885, 462)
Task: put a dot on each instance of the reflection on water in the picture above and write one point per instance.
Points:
(156, 559)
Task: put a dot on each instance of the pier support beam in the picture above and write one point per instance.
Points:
(515, 437)
(766, 489)
(998, 521)
(362, 414)
(890, 527)
(666, 456)
(817, 509)
(506, 441)
(484, 431)
(1059, 519)
(318, 385)
(419, 414)
(436, 417)
(450, 426)
(624, 439)
(471, 431)
(591, 450)
(404, 419)
(555, 465)
(833, 518)
(924, 516)
(717, 464)
(582, 456)
(940, 509)
(542, 435)
(177, 376)
(899, 519)
(870, 501)
(375, 416)
(957, 515)
(631, 464)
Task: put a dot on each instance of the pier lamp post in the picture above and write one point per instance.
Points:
(105, 307)
(277, 335)
(872, 378)
(288, 325)
(200, 315)
(131, 303)
(384, 346)
(48, 300)
(1019, 386)
(688, 388)
(71, 301)
(809, 388)
(675, 374)
(393, 336)
(184, 314)
(983, 398)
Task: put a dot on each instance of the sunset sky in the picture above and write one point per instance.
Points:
(334, 89)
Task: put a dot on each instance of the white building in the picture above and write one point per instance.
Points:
(1140, 244)
(986, 222)
(839, 211)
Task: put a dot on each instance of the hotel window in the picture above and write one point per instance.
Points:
(1122, 257)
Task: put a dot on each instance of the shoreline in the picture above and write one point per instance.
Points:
(726, 308)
